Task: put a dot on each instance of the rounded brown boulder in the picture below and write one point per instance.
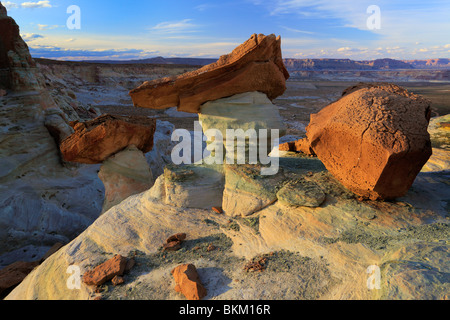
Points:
(96, 140)
(374, 140)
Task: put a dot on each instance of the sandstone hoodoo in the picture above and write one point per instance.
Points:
(120, 144)
(374, 140)
(256, 65)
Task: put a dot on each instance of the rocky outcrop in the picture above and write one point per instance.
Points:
(374, 139)
(323, 252)
(96, 140)
(256, 65)
(124, 174)
(18, 70)
(188, 282)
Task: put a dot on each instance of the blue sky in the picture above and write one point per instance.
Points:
(139, 29)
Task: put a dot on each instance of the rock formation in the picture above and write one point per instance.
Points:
(96, 140)
(250, 110)
(256, 65)
(41, 201)
(324, 252)
(124, 174)
(374, 139)
(18, 70)
(120, 143)
(235, 94)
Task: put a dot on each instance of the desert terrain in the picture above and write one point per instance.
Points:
(93, 207)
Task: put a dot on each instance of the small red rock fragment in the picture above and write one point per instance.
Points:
(117, 280)
(217, 210)
(174, 242)
(177, 237)
(188, 282)
(106, 271)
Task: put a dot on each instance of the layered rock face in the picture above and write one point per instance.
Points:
(256, 65)
(18, 70)
(94, 141)
(374, 139)
(41, 201)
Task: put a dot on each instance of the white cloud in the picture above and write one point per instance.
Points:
(28, 37)
(175, 26)
(8, 5)
(47, 27)
(39, 4)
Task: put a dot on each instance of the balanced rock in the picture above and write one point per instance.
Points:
(125, 174)
(374, 140)
(188, 282)
(96, 140)
(255, 65)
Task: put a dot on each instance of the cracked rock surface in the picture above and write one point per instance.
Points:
(374, 140)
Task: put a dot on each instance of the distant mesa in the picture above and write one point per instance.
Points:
(255, 65)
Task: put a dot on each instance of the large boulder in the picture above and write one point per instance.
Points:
(374, 140)
(255, 65)
(96, 140)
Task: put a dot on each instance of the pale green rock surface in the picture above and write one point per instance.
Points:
(251, 110)
(301, 193)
